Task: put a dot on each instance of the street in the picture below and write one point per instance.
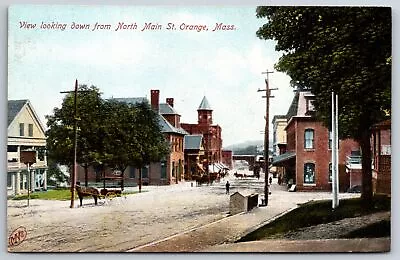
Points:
(126, 223)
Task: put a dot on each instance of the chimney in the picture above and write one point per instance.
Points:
(170, 101)
(155, 99)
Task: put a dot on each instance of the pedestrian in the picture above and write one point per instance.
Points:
(227, 187)
(270, 180)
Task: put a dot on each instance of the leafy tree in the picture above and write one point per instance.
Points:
(60, 135)
(342, 49)
(110, 133)
(152, 146)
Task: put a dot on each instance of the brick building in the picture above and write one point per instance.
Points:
(211, 133)
(307, 160)
(381, 157)
(170, 170)
(227, 158)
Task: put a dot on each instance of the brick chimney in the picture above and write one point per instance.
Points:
(155, 99)
(170, 101)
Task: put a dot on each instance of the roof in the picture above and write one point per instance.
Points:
(204, 105)
(166, 109)
(245, 193)
(277, 117)
(14, 106)
(293, 106)
(193, 142)
(386, 124)
(283, 157)
(166, 127)
(133, 101)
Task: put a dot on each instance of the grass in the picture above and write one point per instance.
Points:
(379, 229)
(56, 194)
(317, 212)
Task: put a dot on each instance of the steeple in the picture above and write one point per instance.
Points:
(204, 105)
(204, 112)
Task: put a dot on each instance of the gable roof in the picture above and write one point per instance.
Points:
(14, 107)
(193, 142)
(204, 105)
(166, 109)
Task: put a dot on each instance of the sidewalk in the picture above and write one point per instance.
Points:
(360, 245)
(220, 236)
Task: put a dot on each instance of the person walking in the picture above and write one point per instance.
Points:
(270, 180)
(227, 187)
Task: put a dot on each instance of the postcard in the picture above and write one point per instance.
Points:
(199, 129)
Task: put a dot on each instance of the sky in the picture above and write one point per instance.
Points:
(224, 65)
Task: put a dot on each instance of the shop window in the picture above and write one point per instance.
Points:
(309, 173)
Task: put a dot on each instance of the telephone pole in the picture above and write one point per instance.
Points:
(266, 136)
(75, 130)
(73, 179)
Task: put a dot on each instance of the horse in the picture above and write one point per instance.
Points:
(87, 191)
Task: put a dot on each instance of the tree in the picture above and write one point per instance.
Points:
(342, 49)
(60, 135)
(110, 134)
(152, 146)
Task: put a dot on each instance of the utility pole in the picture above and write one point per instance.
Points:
(73, 179)
(75, 130)
(266, 136)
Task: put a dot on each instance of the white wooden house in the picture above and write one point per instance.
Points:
(25, 131)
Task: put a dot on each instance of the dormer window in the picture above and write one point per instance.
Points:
(310, 105)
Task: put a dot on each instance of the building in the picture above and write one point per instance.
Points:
(279, 123)
(211, 133)
(194, 155)
(170, 170)
(25, 132)
(307, 160)
(227, 158)
(381, 157)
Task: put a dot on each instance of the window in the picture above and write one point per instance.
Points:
(30, 130)
(163, 169)
(330, 172)
(309, 173)
(145, 172)
(131, 172)
(12, 148)
(309, 139)
(310, 105)
(21, 129)
(330, 139)
(9, 180)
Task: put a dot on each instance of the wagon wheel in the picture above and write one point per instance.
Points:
(109, 196)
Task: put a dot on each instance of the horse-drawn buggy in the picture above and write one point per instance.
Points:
(112, 187)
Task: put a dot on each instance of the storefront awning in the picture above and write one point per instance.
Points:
(280, 159)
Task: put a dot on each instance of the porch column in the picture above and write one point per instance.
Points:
(13, 181)
(17, 182)
(45, 179)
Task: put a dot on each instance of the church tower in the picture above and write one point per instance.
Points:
(204, 113)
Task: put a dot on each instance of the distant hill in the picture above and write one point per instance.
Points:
(239, 146)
